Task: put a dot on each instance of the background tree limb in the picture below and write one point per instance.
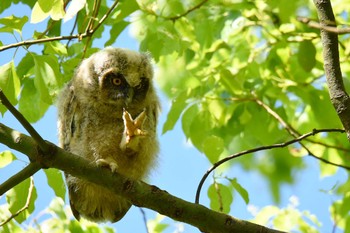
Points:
(340, 99)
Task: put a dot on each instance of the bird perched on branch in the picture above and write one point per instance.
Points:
(108, 114)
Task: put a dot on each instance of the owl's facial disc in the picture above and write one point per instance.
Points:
(115, 89)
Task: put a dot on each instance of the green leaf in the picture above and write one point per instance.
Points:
(177, 106)
(74, 7)
(42, 9)
(307, 55)
(55, 47)
(212, 147)
(156, 225)
(13, 23)
(6, 157)
(22, 196)
(9, 83)
(125, 8)
(57, 207)
(30, 104)
(187, 118)
(47, 77)
(25, 68)
(201, 126)
(220, 197)
(57, 11)
(116, 29)
(56, 182)
(38, 13)
(242, 191)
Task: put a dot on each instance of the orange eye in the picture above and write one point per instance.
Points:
(116, 81)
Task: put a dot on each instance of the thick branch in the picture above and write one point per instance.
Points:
(138, 192)
(338, 95)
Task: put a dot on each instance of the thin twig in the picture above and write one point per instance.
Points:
(173, 18)
(144, 218)
(29, 197)
(25, 173)
(278, 145)
(36, 136)
(317, 25)
(78, 36)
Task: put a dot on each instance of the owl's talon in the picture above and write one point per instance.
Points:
(109, 163)
(133, 126)
(132, 129)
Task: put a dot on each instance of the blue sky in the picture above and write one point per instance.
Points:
(180, 166)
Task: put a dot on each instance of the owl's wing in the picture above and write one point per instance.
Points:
(66, 111)
(67, 106)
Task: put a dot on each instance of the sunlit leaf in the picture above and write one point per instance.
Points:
(6, 157)
(22, 198)
(156, 225)
(56, 182)
(213, 146)
(306, 55)
(220, 197)
(39, 14)
(242, 191)
(9, 83)
(177, 106)
(13, 23)
(47, 77)
(74, 7)
(30, 104)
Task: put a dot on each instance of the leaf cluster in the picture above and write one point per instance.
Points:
(240, 73)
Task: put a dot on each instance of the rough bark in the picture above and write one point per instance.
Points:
(340, 99)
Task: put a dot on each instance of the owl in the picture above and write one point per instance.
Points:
(108, 114)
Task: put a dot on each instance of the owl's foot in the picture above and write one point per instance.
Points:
(109, 163)
(132, 128)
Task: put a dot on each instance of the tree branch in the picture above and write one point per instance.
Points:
(25, 173)
(279, 145)
(39, 140)
(338, 95)
(138, 192)
(313, 24)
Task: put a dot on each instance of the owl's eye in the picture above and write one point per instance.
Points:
(141, 85)
(116, 81)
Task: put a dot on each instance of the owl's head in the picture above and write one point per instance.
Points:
(115, 76)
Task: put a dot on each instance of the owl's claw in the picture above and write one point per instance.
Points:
(132, 128)
(109, 163)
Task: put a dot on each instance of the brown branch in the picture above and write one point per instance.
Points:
(316, 25)
(339, 98)
(138, 192)
(24, 174)
(30, 192)
(173, 18)
(39, 140)
(293, 132)
(278, 145)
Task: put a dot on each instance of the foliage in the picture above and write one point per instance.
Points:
(240, 74)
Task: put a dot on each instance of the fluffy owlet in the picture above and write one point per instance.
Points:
(108, 114)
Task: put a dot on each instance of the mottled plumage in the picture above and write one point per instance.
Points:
(108, 114)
